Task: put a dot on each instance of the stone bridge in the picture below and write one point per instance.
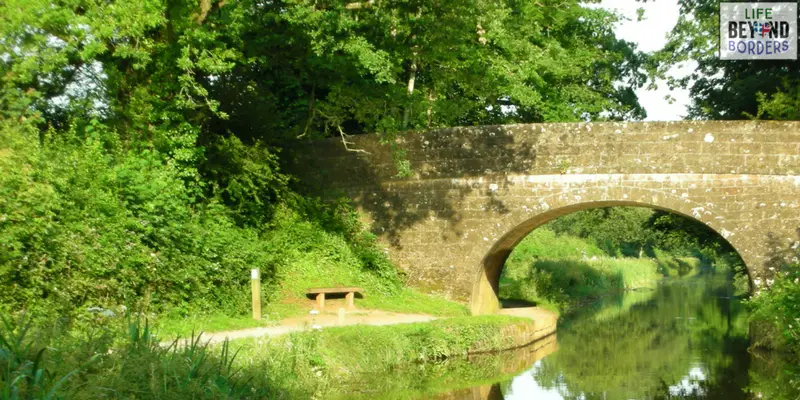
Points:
(474, 193)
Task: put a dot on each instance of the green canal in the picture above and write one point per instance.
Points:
(688, 338)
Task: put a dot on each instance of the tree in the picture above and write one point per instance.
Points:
(616, 230)
(727, 89)
(283, 69)
(186, 105)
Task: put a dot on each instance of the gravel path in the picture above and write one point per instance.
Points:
(323, 320)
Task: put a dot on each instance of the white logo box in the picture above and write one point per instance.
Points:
(758, 31)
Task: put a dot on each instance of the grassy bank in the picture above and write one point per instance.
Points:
(348, 358)
(406, 300)
(557, 272)
(98, 362)
(90, 223)
(305, 254)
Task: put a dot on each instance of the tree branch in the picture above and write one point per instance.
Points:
(345, 142)
(312, 109)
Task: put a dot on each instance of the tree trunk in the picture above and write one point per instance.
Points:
(412, 76)
(430, 107)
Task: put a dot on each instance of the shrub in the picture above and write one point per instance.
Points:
(778, 308)
(85, 222)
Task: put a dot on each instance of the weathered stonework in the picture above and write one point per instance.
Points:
(476, 192)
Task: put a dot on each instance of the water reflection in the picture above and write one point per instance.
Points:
(686, 339)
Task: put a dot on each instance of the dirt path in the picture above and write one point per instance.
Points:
(322, 320)
(330, 318)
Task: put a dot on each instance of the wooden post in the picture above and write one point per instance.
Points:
(321, 301)
(350, 302)
(255, 285)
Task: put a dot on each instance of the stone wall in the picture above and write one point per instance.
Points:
(476, 192)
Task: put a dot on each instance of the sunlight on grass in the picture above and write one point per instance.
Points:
(412, 301)
(168, 326)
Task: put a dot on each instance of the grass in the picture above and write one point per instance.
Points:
(406, 300)
(112, 361)
(106, 359)
(337, 360)
(544, 243)
(172, 326)
(306, 256)
(410, 300)
(559, 272)
(562, 283)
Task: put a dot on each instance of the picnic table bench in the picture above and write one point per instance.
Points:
(350, 293)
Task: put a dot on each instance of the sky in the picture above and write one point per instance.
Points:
(650, 35)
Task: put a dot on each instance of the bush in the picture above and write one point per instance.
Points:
(85, 222)
(777, 310)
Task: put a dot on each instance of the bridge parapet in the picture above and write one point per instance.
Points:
(716, 147)
(475, 192)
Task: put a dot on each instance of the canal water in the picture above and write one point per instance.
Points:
(688, 338)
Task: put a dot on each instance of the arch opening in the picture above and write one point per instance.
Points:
(486, 288)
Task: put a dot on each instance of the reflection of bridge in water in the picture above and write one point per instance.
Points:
(515, 362)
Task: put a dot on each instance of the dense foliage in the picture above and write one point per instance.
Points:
(88, 223)
(561, 271)
(778, 309)
(638, 232)
(275, 70)
(143, 139)
(590, 253)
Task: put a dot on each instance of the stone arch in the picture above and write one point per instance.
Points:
(472, 187)
(484, 299)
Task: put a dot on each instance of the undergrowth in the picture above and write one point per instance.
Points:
(88, 222)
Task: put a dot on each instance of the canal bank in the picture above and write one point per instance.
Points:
(338, 360)
(542, 322)
(686, 338)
